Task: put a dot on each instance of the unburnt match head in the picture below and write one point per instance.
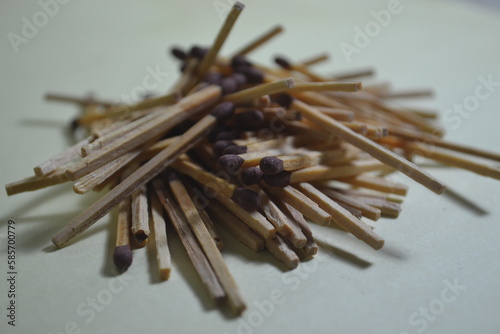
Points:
(228, 85)
(281, 61)
(240, 79)
(229, 163)
(279, 180)
(283, 99)
(220, 146)
(253, 75)
(223, 111)
(251, 175)
(122, 257)
(235, 150)
(178, 53)
(240, 61)
(246, 198)
(249, 118)
(271, 165)
(198, 52)
(213, 77)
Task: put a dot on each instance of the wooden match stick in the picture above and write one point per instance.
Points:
(37, 182)
(193, 249)
(236, 227)
(77, 100)
(209, 247)
(259, 41)
(140, 177)
(209, 58)
(158, 228)
(326, 86)
(389, 158)
(367, 210)
(140, 216)
(377, 183)
(342, 217)
(319, 58)
(122, 254)
(280, 249)
(354, 74)
(407, 94)
(260, 90)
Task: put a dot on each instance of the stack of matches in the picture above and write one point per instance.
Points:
(260, 152)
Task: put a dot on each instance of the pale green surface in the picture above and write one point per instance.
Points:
(106, 47)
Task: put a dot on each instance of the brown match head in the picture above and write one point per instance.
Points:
(198, 52)
(223, 111)
(271, 165)
(228, 85)
(226, 135)
(253, 75)
(246, 198)
(122, 257)
(230, 163)
(235, 150)
(240, 79)
(178, 53)
(281, 61)
(279, 180)
(220, 146)
(212, 77)
(239, 61)
(249, 118)
(284, 100)
(251, 175)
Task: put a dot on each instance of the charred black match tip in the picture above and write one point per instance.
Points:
(220, 145)
(271, 165)
(223, 111)
(178, 53)
(284, 100)
(140, 236)
(246, 198)
(250, 118)
(281, 61)
(251, 175)
(235, 150)
(279, 180)
(229, 163)
(122, 257)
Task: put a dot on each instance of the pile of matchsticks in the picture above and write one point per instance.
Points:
(260, 152)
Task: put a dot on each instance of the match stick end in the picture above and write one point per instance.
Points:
(238, 6)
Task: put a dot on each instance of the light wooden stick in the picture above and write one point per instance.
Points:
(77, 100)
(37, 182)
(259, 90)
(236, 227)
(354, 74)
(209, 58)
(311, 248)
(209, 247)
(315, 59)
(140, 216)
(367, 210)
(338, 114)
(342, 217)
(304, 204)
(280, 249)
(146, 132)
(259, 41)
(193, 249)
(326, 86)
(122, 255)
(407, 94)
(140, 177)
(377, 183)
(159, 231)
(375, 150)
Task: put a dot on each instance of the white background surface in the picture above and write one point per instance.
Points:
(107, 47)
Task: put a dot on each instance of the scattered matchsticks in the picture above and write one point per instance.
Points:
(256, 151)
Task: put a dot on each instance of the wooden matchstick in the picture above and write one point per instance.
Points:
(326, 86)
(140, 177)
(208, 245)
(367, 210)
(37, 182)
(159, 231)
(375, 150)
(377, 183)
(77, 100)
(354, 74)
(193, 249)
(209, 58)
(140, 216)
(235, 226)
(342, 217)
(259, 41)
(280, 249)
(319, 58)
(264, 89)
